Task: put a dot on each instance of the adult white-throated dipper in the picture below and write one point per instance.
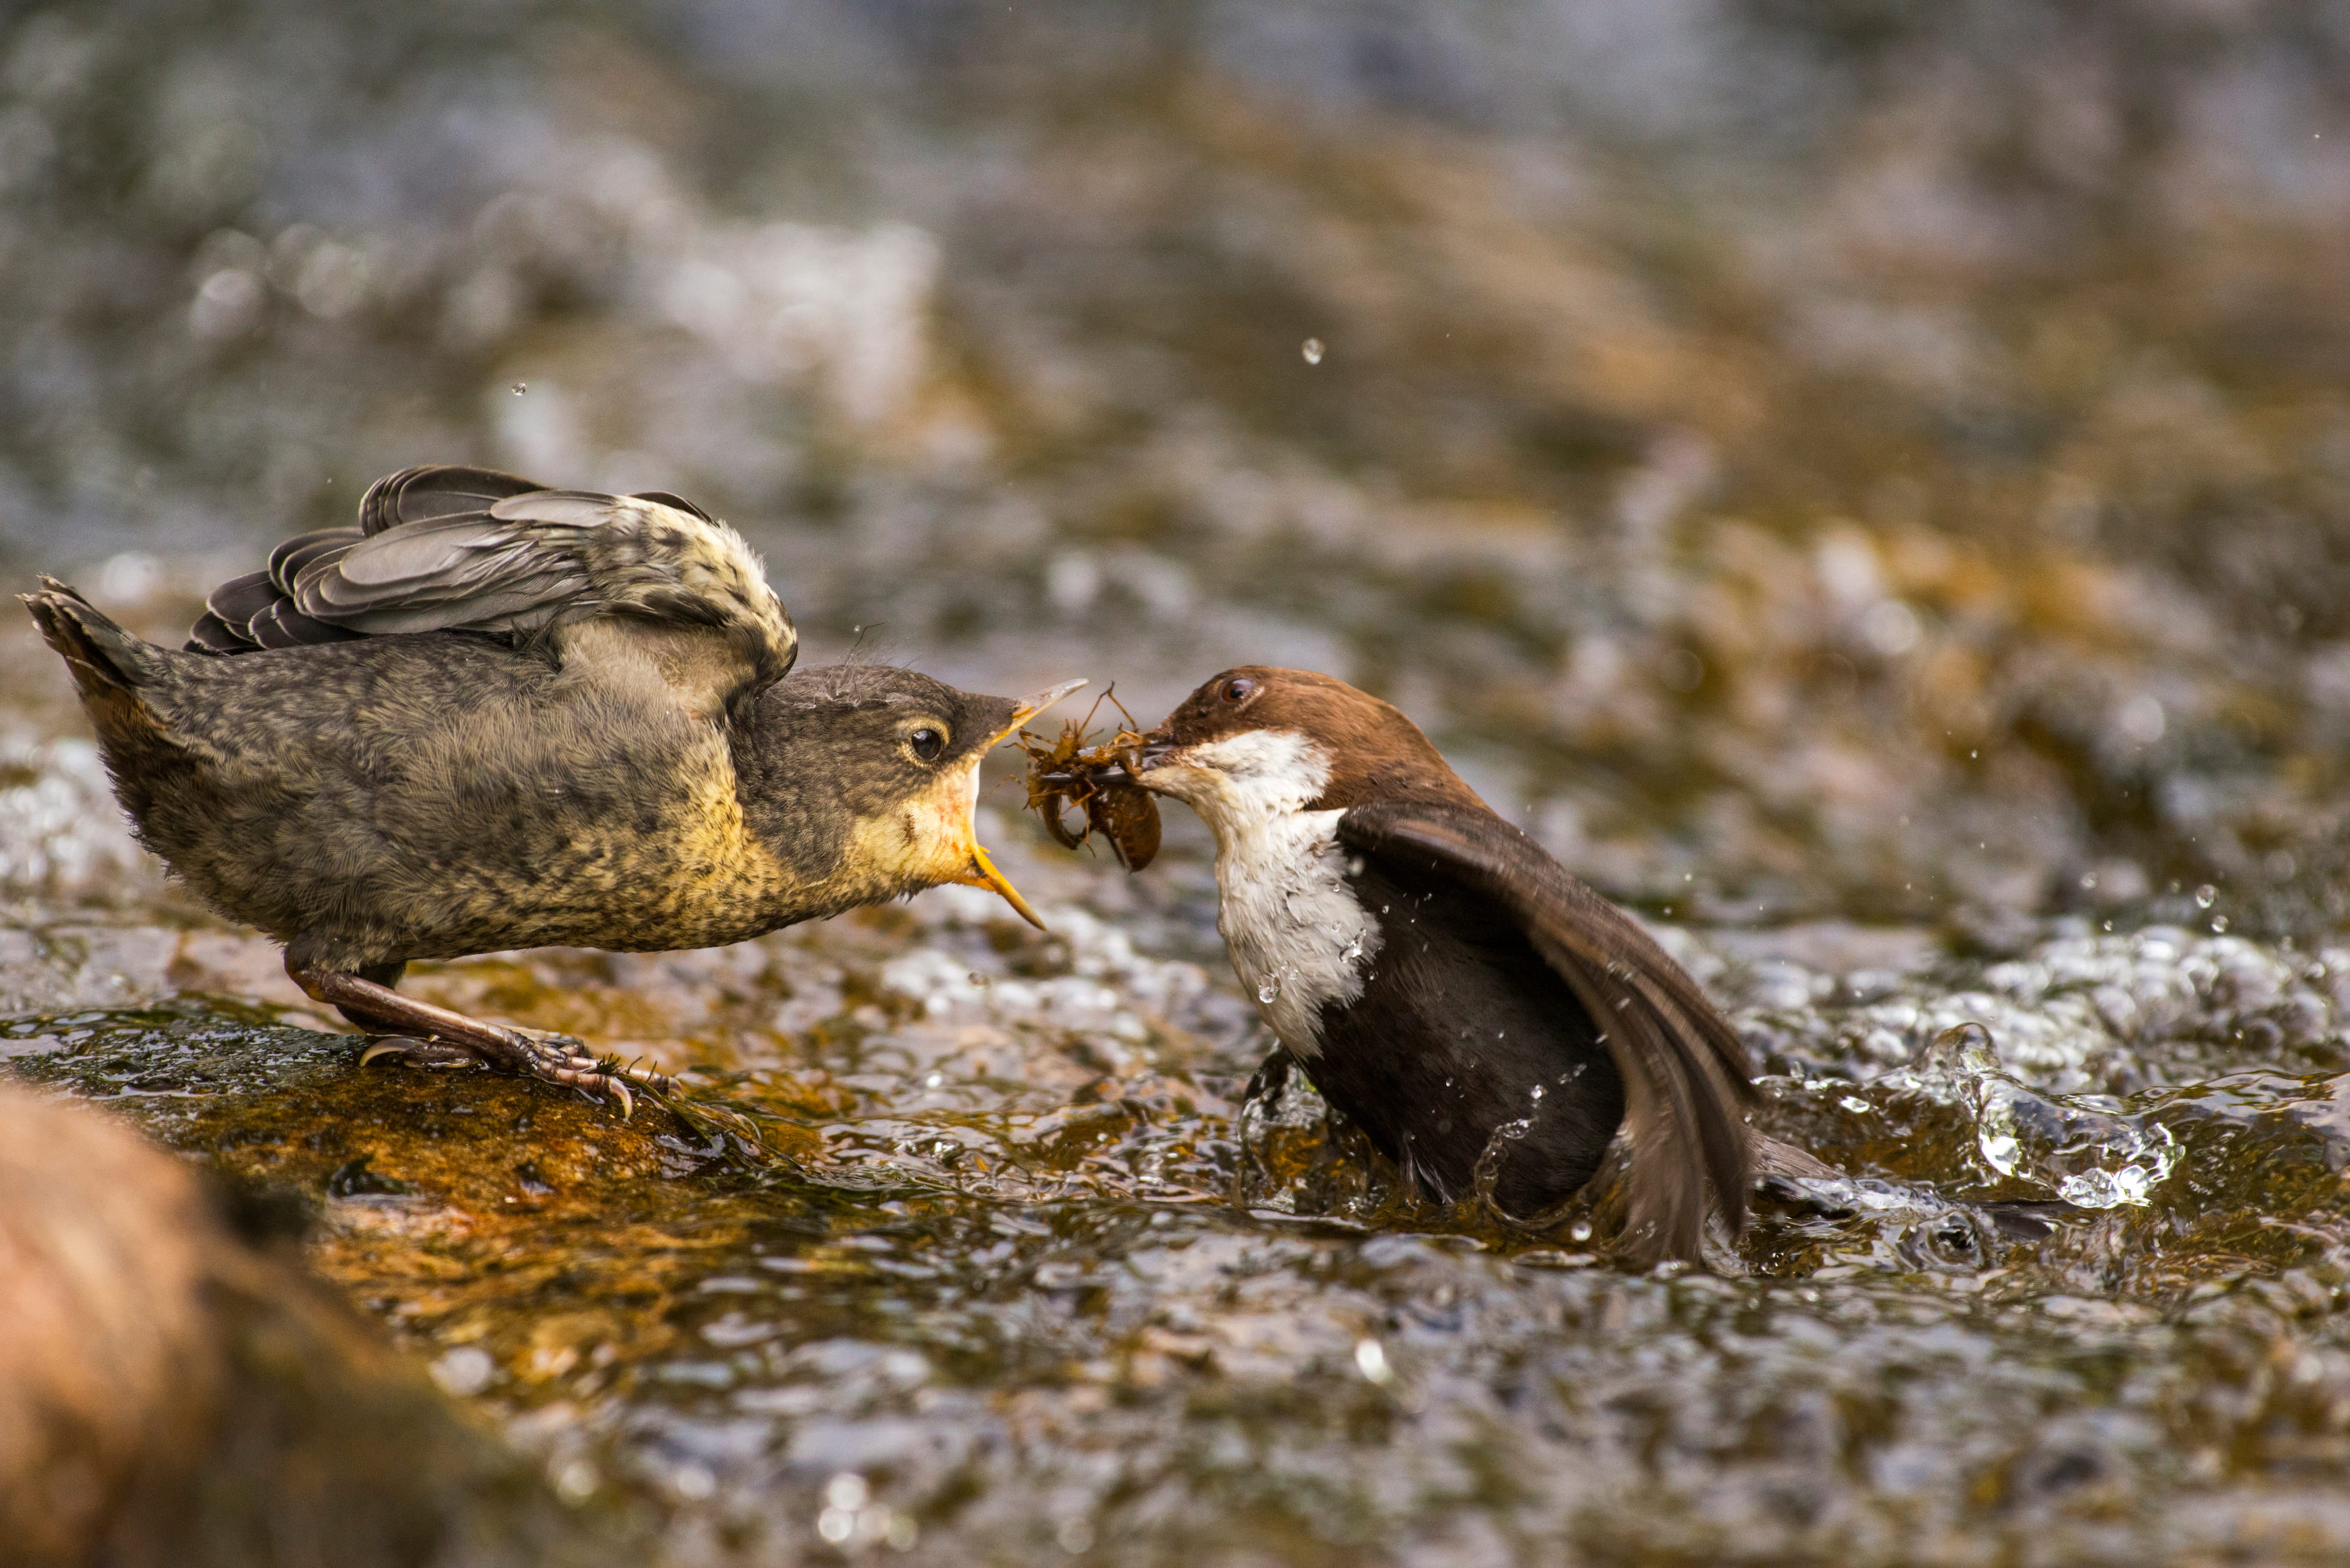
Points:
(496, 715)
(1446, 985)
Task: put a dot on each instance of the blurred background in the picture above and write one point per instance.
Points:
(1804, 458)
(1868, 482)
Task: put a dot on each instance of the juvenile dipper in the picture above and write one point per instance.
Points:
(1483, 1016)
(496, 715)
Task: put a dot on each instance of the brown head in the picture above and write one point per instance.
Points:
(1257, 739)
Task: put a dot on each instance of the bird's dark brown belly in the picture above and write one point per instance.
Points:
(1461, 1031)
(448, 797)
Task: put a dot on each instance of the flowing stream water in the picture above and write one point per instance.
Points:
(1872, 491)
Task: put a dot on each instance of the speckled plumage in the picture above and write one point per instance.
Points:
(433, 794)
(639, 774)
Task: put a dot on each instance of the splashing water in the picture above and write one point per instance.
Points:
(2083, 1148)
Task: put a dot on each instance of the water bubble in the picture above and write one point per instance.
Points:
(2206, 895)
(520, 388)
(1579, 1232)
(1312, 350)
(2219, 924)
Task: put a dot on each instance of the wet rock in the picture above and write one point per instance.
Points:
(170, 1394)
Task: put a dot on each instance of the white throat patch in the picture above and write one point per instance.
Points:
(1298, 939)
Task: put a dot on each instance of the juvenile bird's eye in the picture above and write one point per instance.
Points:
(927, 743)
(1238, 689)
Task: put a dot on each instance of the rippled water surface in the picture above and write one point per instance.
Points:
(1870, 490)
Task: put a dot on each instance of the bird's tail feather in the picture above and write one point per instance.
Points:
(109, 665)
(90, 641)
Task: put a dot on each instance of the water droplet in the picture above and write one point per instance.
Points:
(520, 388)
(1536, 1093)
(1579, 1232)
(2206, 895)
(2219, 923)
(1269, 988)
(1353, 951)
(1371, 1360)
(1312, 350)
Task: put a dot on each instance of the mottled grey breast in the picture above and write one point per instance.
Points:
(445, 548)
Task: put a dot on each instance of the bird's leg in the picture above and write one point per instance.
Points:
(1264, 1087)
(1271, 1076)
(386, 975)
(441, 1035)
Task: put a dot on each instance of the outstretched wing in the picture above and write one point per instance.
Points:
(444, 548)
(1685, 1070)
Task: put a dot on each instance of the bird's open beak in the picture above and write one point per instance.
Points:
(1035, 704)
(983, 872)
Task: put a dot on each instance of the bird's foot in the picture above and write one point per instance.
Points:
(436, 1037)
(1258, 1102)
(554, 1059)
(1271, 1077)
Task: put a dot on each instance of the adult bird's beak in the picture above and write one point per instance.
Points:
(983, 872)
(1139, 759)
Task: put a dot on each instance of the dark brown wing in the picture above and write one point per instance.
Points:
(1685, 1070)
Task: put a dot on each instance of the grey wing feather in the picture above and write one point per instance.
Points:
(213, 635)
(448, 548)
(445, 548)
(286, 561)
(436, 489)
(1686, 1073)
(239, 599)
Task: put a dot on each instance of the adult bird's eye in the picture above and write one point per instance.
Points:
(1238, 689)
(927, 743)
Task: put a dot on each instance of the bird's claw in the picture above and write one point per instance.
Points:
(555, 1059)
(566, 1059)
(418, 1051)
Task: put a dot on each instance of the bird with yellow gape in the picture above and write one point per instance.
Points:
(496, 714)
